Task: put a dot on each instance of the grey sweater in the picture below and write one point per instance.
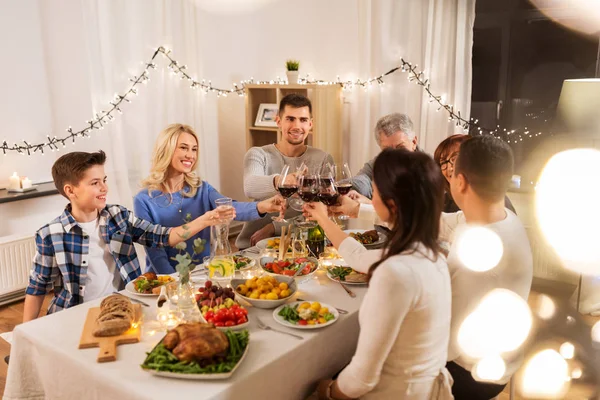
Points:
(261, 164)
(362, 181)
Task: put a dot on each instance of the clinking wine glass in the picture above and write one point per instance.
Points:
(287, 187)
(328, 193)
(308, 190)
(343, 182)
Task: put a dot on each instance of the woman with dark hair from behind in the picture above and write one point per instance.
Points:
(405, 314)
(445, 156)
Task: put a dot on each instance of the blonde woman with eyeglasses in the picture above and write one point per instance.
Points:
(173, 191)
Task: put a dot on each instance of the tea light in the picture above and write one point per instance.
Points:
(25, 183)
(14, 182)
(169, 319)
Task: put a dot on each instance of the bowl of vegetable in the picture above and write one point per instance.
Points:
(268, 291)
(290, 266)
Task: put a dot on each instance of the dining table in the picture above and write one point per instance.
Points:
(46, 363)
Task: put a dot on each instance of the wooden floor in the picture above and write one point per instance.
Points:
(12, 315)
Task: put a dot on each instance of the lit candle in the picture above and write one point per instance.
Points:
(25, 183)
(14, 182)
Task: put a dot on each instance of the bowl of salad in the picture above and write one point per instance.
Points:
(289, 266)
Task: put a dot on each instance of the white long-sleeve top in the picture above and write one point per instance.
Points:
(404, 326)
(514, 272)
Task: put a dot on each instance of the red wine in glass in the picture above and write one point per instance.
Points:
(329, 199)
(308, 195)
(343, 188)
(287, 190)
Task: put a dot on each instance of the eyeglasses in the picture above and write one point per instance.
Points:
(449, 163)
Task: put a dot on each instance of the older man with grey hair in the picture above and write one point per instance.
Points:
(391, 131)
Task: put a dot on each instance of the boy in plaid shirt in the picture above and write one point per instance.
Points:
(87, 252)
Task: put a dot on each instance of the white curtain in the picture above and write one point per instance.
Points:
(437, 35)
(120, 38)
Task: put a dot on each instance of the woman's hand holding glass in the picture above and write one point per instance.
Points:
(315, 211)
(218, 215)
(346, 206)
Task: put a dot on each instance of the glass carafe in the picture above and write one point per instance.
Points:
(220, 265)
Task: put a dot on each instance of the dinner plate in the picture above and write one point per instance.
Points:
(344, 282)
(200, 377)
(131, 288)
(375, 245)
(280, 320)
(262, 245)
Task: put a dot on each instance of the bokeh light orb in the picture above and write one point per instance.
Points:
(479, 248)
(569, 182)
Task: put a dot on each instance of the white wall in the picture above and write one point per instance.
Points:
(323, 35)
(47, 88)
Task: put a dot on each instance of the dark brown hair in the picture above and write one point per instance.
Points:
(412, 182)
(445, 147)
(295, 100)
(487, 164)
(70, 168)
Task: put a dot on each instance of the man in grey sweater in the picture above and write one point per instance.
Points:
(262, 165)
(391, 131)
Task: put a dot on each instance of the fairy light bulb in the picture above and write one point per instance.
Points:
(570, 178)
(478, 248)
(545, 375)
(545, 307)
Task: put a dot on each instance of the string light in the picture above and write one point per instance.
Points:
(180, 70)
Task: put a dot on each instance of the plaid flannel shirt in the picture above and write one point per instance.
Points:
(62, 254)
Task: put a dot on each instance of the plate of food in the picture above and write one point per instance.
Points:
(243, 262)
(290, 266)
(369, 239)
(347, 275)
(148, 284)
(218, 307)
(204, 353)
(271, 244)
(305, 315)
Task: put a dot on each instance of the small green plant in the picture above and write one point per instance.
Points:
(187, 262)
(292, 65)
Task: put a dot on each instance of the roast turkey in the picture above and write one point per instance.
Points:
(196, 342)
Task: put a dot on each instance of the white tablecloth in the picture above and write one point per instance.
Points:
(45, 362)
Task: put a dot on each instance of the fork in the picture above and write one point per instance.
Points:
(266, 327)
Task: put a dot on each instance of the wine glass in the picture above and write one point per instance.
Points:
(286, 187)
(308, 190)
(328, 193)
(343, 182)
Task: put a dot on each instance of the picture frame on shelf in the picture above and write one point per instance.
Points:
(266, 115)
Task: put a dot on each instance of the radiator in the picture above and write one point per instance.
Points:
(16, 255)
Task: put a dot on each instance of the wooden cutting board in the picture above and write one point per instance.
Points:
(108, 344)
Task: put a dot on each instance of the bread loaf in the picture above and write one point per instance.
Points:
(116, 315)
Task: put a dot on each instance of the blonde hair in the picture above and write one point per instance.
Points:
(164, 148)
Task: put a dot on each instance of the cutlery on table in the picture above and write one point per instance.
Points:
(350, 292)
(341, 311)
(134, 300)
(265, 327)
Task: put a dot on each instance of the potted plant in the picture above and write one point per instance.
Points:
(292, 67)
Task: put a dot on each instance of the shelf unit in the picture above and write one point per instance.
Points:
(326, 133)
